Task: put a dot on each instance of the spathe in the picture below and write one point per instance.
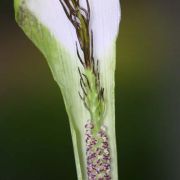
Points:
(46, 24)
(105, 17)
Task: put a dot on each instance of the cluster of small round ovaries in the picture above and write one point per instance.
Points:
(98, 154)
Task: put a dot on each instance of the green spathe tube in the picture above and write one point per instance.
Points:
(46, 24)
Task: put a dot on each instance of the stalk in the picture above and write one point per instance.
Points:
(86, 79)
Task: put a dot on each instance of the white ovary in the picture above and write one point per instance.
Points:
(105, 17)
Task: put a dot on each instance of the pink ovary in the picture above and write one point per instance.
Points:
(98, 154)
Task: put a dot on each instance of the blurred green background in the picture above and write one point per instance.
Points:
(35, 140)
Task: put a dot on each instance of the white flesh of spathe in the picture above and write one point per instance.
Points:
(105, 17)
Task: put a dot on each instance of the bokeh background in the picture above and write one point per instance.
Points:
(35, 140)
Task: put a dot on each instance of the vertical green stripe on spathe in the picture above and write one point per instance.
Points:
(40, 36)
(17, 4)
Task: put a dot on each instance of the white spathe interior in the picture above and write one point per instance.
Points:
(105, 17)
